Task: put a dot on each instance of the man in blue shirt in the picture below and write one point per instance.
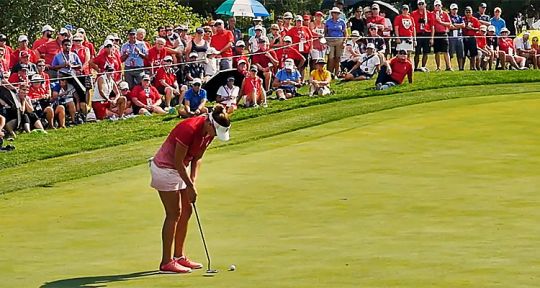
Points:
(497, 21)
(456, 36)
(287, 80)
(256, 22)
(133, 54)
(335, 30)
(66, 62)
(194, 100)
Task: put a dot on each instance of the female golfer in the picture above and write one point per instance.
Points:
(185, 145)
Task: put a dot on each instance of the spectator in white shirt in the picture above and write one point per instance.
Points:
(227, 95)
(524, 49)
(367, 65)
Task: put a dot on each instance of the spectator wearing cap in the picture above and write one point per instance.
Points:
(223, 42)
(492, 45)
(357, 22)
(485, 55)
(123, 87)
(156, 55)
(198, 44)
(46, 35)
(318, 47)
(376, 19)
(40, 100)
(472, 27)
(9, 50)
(506, 45)
(29, 119)
(252, 89)
(175, 45)
(86, 43)
(107, 102)
(194, 68)
(455, 42)
(64, 94)
(266, 61)
(423, 23)
(307, 20)
(167, 85)
(365, 66)
(21, 73)
(107, 57)
(287, 23)
(145, 98)
(497, 21)
(84, 55)
(275, 36)
(258, 21)
(302, 38)
(237, 33)
(388, 30)
(441, 27)
(239, 53)
(133, 55)
(185, 38)
(227, 95)
(253, 41)
(378, 41)
(211, 64)
(319, 82)
(393, 72)
(404, 30)
(194, 100)
(51, 48)
(287, 80)
(482, 16)
(351, 52)
(24, 62)
(287, 52)
(242, 67)
(40, 64)
(335, 31)
(208, 33)
(524, 48)
(23, 47)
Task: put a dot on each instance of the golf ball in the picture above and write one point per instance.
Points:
(232, 267)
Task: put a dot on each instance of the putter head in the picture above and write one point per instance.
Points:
(210, 273)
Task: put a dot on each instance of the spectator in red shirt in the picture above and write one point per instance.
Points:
(4, 64)
(23, 47)
(423, 23)
(289, 53)
(393, 72)
(376, 19)
(156, 55)
(472, 26)
(301, 36)
(405, 30)
(223, 41)
(441, 28)
(506, 44)
(166, 84)
(46, 36)
(266, 61)
(252, 89)
(87, 43)
(40, 99)
(7, 49)
(41, 71)
(50, 49)
(485, 55)
(146, 99)
(108, 57)
(287, 25)
(239, 53)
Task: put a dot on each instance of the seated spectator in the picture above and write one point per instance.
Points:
(253, 90)
(156, 55)
(167, 85)
(211, 65)
(239, 53)
(107, 57)
(86, 43)
(274, 36)
(64, 94)
(123, 87)
(265, 61)
(40, 99)
(351, 52)
(23, 47)
(257, 23)
(378, 41)
(107, 101)
(485, 55)
(46, 84)
(393, 72)
(30, 120)
(24, 62)
(287, 80)
(320, 80)
(506, 45)
(194, 100)
(227, 95)
(84, 55)
(287, 52)
(524, 49)
(536, 47)
(145, 99)
(366, 66)
(195, 68)
(223, 41)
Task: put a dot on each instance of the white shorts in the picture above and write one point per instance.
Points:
(165, 179)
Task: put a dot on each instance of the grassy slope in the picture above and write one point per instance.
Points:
(433, 195)
(53, 170)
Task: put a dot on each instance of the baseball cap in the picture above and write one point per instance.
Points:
(241, 61)
(320, 61)
(167, 58)
(196, 81)
(146, 77)
(307, 17)
(107, 43)
(23, 38)
(404, 7)
(258, 19)
(123, 85)
(319, 13)
(483, 28)
(222, 132)
(258, 27)
(370, 45)
(199, 30)
(504, 29)
(491, 28)
(77, 37)
(47, 28)
(287, 15)
(287, 39)
(298, 18)
(230, 79)
(437, 2)
(421, 1)
(468, 8)
(335, 10)
(193, 54)
(81, 30)
(355, 33)
(23, 54)
(483, 5)
(274, 26)
(218, 22)
(37, 77)
(132, 31)
(63, 31)
(254, 68)
(527, 33)
(375, 6)
(453, 6)
(240, 43)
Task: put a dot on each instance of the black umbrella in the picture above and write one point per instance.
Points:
(11, 99)
(219, 80)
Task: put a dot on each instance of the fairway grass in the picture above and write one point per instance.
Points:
(442, 194)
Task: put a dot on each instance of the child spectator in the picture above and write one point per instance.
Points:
(320, 80)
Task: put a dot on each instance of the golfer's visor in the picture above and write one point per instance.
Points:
(222, 132)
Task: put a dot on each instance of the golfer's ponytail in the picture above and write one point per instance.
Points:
(219, 113)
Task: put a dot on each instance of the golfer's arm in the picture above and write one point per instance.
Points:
(195, 166)
(180, 152)
(201, 106)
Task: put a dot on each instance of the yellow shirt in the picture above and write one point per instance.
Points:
(320, 76)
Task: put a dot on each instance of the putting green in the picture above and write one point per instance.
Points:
(442, 194)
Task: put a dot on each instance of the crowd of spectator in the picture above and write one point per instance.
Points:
(63, 79)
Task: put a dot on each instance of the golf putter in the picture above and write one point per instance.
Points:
(209, 271)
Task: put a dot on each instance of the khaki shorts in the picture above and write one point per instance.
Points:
(165, 179)
(335, 48)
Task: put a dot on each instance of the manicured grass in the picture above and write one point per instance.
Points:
(441, 194)
(53, 170)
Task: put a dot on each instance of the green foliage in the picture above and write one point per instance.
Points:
(98, 18)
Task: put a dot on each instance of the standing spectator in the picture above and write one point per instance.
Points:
(535, 46)
(23, 47)
(366, 65)
(9, 51)
(223, 42)
(184, 38)
(378, 41)
(211, 65)
(404, 30)
(265, 62)
(287, 80)
(198, 44)
(393, 72)
(145, 98)
(387, 32)
(318, 49)
(256, 22)
(275, 36)
(482, 16)
(46, 84)
(320, 80)
(335, 30)
(133, 55)
(287, 19)
(51, 48)
(140, 36)
(252, 89)
(472, 26)
(456, 38)
(194, 100)
(156, 55)
(24, 62)
(506, 45)
(524, 49)
(440, 43)
(194, 69)
(107, 97)
(253, 41)
(492, 42)
(307, 20)
(86, 43)
(227, 95)
(301, 37)
(84, 55)
(107, 57)
(357, 21)
(232, 27)
(167, 85)
(46, 36)
(376, 19)
(4, 64)
(288, 52)
(497, 21)
(423, 22)
(208, 33)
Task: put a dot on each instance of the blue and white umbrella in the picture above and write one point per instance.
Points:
(245, 8)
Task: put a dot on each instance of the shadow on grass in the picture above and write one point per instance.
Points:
(96, 281)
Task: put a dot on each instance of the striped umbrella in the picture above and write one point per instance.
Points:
(245, 8)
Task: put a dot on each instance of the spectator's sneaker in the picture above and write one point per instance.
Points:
(113, 118)
(378, 86)
(449, 69)
(524, 68)
(166, 109)
(265, 105)
(185, 262)
(173, 267)
(147, 113)
(424, 69)
(172, 111)
(418, 70)
(255, 105)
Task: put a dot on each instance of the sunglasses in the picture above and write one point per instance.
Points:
(108, 46)
(207, 31)
(125, 89)
(196, 84)
(146, 80)
(421, 4)
(64, 34)
(67, 45)
(41, 66)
